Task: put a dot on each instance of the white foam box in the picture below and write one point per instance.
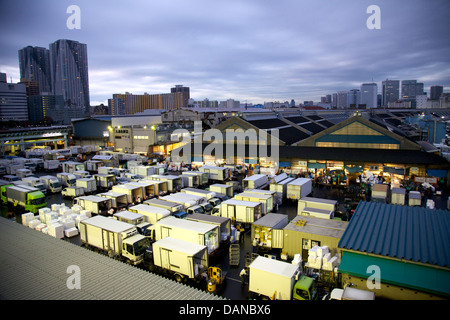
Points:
(80, 218)
(41, 226)
(45, 230)
(27, 217)
(76, 209)
(71, 232)
(313, 251)
(68, 223)
(34, 223)
(56, 230)
(321, 251)
(55, 207)
(49, 216)
(42, 213)
(87, 213)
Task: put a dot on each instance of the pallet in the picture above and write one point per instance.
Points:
(234, 254)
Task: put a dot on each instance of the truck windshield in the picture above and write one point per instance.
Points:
(199, 210)
(140, 246)
(37, 201)
(56, 184)
(208, 207)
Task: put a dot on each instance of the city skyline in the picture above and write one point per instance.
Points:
(248, 51)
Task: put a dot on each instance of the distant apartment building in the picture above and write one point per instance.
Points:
(185, 91)
(13, 101)
(128, 103)
(390, 91)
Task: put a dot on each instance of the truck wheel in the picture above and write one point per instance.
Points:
(178, 278)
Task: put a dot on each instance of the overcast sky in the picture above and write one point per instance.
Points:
(254, 50)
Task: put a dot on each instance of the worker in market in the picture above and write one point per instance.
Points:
(243, 275)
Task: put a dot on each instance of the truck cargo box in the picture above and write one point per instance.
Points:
(268, 230)
(299, 188)
(318, 203)
(151, 214)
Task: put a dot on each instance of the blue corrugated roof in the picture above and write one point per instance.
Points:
(411, 233)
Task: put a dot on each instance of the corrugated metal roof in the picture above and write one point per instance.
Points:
(411, 233)
(34, 265)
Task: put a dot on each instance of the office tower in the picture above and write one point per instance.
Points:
(69, 70)
(390, 91)
(13, 101)
(342, 99)
(34, 64)
(411, 89)
(353, 98)
(435, 92)
(369, 95)
(41, 108)
(184, 91)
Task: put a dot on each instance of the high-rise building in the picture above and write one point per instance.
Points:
(185, 92)
(342, 99)
(69, 70)
(411, 89)
(435, 92)
(390, 91)
(353, 98)
(369, 93)
(34, 64)
(13, 101)
(41, 108)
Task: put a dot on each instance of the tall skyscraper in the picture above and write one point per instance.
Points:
(369, 93)
(34, 64)
(353, 98)
(69, 70)
(390, 91)
(435, 92)
(184, 91)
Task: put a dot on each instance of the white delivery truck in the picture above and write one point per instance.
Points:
(134, 219)
(116, 238)
(223, 189)
(223, 223)
(268, 231)
(173, 207)
(149, 188)
(93, 165)
(179, 258)
(72, 192)
(35, 182)
(191, 231)
(299, 188)
(280, 188)
(328, 207)
(245, 212)
(273, 194)
(187, 203)
(119, 201)
(67, 179)
(216, 173)
(190, 181)
(151, 214)
(52, 165)
(22, 173)
(143, 171)
(160, 187)
(204, 193)
(349, 293)
(104, 181)
(72, 166)
(203, 177)
(51, 183)
(88, 184)
(202, 205)
(279, 280)
(256, 181)
(82, 174)
(173, 182)
(264, 199)
(94, 204)
(135, 194)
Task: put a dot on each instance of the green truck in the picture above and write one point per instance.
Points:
(27, 198)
